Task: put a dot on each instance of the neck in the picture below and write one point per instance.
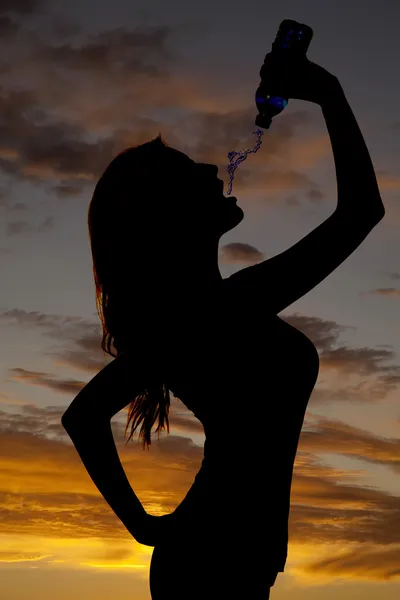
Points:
(201, 272)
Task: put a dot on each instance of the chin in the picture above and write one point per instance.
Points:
(232, 219)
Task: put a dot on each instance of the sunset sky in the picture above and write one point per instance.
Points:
(82, 80)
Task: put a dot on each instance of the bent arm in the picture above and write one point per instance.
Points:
(95, 445)
(88, 423)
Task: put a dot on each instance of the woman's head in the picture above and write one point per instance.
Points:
(153, 201)
(154, 221)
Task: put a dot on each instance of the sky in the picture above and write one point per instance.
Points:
(80, 82)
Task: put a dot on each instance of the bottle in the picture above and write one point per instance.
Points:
(292, 39)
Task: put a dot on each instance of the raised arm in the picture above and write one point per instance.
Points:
(358, 191)
(283, 279)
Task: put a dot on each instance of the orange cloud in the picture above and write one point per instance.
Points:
(47, 495)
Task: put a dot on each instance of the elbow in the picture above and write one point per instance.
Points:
(70, 420)
(78, 419)
(66, 422)
(379, 216)
(381, 211)
(374, 217)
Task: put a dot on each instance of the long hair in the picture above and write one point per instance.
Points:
(118, 215)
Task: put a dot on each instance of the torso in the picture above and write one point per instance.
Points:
(247, 375)
(248, 379)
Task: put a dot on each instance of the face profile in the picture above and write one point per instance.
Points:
(155, 220)
(207, 206)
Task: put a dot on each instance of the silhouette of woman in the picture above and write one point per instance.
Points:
(155, 221)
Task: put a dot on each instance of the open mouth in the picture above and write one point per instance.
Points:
(221, 186)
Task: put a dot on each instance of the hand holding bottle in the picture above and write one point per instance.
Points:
(297, 78)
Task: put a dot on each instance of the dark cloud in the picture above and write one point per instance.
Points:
(117, 50)
(359, 361)
(380, 564)
(69, 386)
(47, 225)
(8, 29)
(315, 196)
(66, 190)
(41, 139)
(80, 348)
(18, 227)
(237, 252)
(327, 508)
(51, 325)
(24, 7)
(20, 206)
(37, 149)
(46, 128)
(63, 27)
(180, 417)
(331, 435)
(391, 275)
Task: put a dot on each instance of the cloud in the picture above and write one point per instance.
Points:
(382, 292)
(361, 362)
(47, 225)
(327, 506)
(381, 564)
(80, 339)
(23, 7)
(47, 494)
(44, 469)
(70, 386)
(42, 141)
(8, 29)
(237, 252)
(18, 227)
(54, 134)
(332, 435)
(53, 130)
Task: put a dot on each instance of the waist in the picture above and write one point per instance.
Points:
(196, 531)
(220, 498)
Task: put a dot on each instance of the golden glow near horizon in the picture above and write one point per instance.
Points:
(57, 518)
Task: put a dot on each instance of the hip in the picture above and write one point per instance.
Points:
(195, 568)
